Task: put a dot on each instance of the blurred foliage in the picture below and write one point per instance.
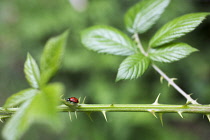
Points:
(26, 26)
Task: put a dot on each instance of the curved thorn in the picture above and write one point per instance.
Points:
(70, 116)
(169, 84)
(171, 80)
(208, 116)
(191, 94)
(61, 95)
(153, 113)
(88, 113)
(156, 101)
(79, 99)
(75, 114)
(161, 118)
(83, 102)
(161, 79)
(187, 103)
(104, 113)
(1, 120)
(180, 114)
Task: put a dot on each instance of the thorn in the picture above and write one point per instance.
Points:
(1, 120)
(70, 116)
(187, 103)
(171, 80)
(61, 96)
(104, 113)
(111, 105)
(180, 114)
(88, 113)
(161, 118)
(191, 94)
(75, 114)
(196, 100)
(208, 116)
(156, 101)
(153, 113)
(79, 99)
(83, 102)
(161, 79)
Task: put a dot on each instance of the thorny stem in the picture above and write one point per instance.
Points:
(157, 108)
(170, 81)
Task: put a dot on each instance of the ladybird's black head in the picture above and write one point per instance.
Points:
(68, 99)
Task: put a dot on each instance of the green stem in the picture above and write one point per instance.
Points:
(171, 82)
(139, 44)
(156, 108)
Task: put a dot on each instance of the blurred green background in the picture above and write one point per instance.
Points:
(25, 26)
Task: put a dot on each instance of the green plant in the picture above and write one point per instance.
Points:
(40, 103)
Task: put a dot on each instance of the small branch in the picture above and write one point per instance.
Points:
(171, 82)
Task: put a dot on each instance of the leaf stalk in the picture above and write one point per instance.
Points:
(163, 75)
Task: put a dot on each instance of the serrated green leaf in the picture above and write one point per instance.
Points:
(105, 39)
(143, 15)
(170, 53)
(41, 108)
(177, 28)
(20, 97)
(52, 57)
(32, 72)
(133, 67)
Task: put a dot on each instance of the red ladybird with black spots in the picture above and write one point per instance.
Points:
(73, 100)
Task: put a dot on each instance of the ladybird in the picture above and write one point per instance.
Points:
(73, 100)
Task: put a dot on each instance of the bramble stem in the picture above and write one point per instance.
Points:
(170, 81)
(158, 108)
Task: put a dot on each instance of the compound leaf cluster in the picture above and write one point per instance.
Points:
(138, 19)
